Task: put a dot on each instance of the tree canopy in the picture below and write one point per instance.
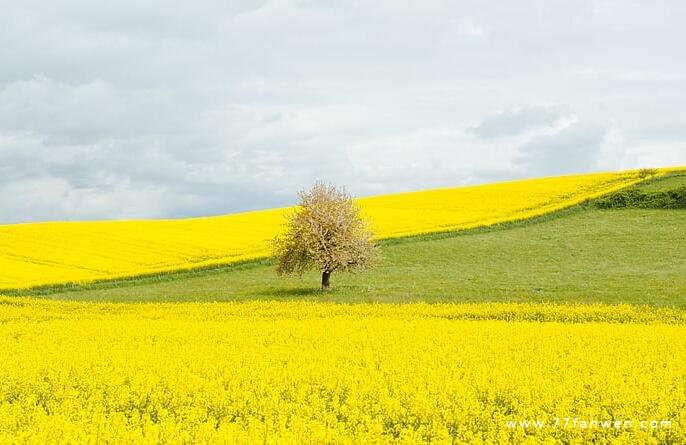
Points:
(327, 232)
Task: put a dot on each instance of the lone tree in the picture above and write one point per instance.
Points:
(325, 232)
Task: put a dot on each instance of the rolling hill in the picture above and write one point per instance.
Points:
(573, 318)
(582, 254)
(51, 254)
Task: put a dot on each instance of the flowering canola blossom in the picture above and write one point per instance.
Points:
(301, 372)
(45, 254)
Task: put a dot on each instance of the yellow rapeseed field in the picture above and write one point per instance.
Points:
(299, 372)
(46, 254)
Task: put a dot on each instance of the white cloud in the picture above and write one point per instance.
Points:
(44, 198)
(131, 109)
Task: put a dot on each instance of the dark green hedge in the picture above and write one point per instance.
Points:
(636, 199)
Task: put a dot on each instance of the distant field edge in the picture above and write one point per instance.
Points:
(22, 308)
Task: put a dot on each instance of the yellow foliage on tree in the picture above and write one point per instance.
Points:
(325, 232)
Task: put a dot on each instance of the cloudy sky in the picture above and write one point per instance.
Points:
(156, 109)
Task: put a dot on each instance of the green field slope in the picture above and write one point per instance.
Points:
(669, 182)
(583, 254)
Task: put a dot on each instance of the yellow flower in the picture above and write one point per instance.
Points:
(294, 372)
(79, 252)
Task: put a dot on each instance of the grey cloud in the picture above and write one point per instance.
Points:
(517, 121)
(86, 113)
(570, 150)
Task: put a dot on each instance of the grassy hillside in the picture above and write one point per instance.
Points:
(669, 182)
(668, 193)
(585, 255)
(50, 254)
(581, 254)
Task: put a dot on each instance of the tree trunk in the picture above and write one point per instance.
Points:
(325, 279)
